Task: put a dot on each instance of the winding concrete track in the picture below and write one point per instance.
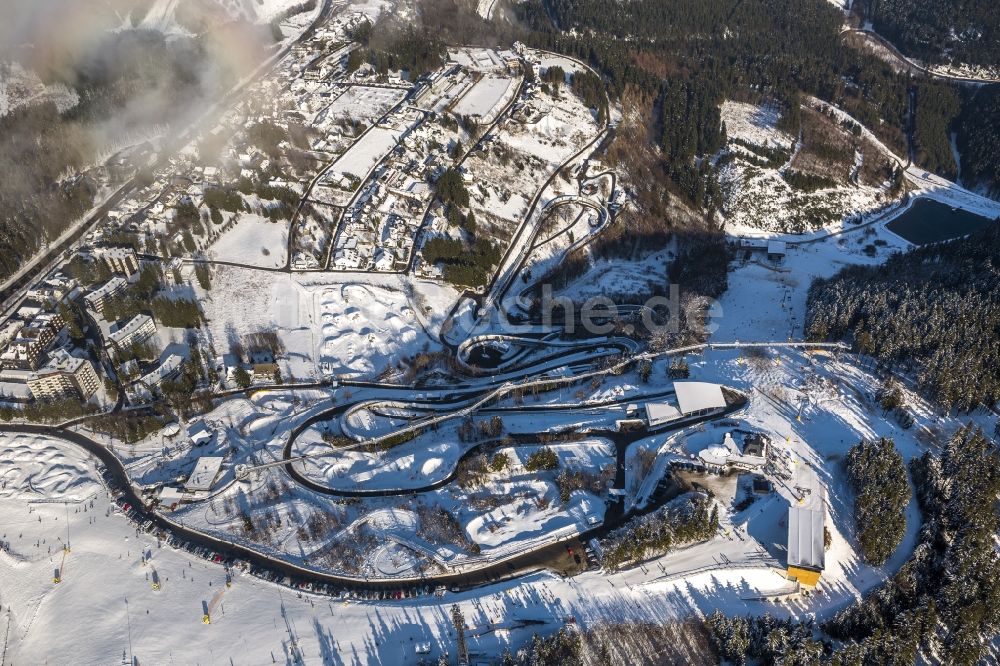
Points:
(480, 573)
(467, 347)
(467, 405)
(516, 564)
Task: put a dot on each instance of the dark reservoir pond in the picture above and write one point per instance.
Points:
(929, 221)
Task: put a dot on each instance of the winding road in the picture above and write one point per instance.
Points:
(296, 575)
(515, 565)
(914, 67)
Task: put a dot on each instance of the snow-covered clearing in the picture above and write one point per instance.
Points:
(363, 155)
(364, 103)
(485, 98)
(544, 134)
(485, 8)
(754, 124)
(621, 278)
(254, 240)
(548, 59)
(342, 179)
(484, 60)
(19, 86)
(759, 196)
(765, 302)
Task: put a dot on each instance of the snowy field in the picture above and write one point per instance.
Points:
(364, 103)
(363, 329)
(255, 241)
(546, 132)
(484, 60)
(754, 124)
(346, 323)
(759, 202)
(351, 169)
(620, 278)
(548, 59)
(35, 467)
(766, 302)
(363, 155)
(485, 97)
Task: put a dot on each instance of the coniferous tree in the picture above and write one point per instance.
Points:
(878, 475)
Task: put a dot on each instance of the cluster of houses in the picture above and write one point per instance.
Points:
(772, 250)
(118, 336)
(121, 166)
(38, 360)
(378, 230)
(186, 175)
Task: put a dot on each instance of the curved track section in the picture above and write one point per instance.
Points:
(477, 573)
(523, 344)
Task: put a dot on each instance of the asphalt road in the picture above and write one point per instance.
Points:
(298, 576)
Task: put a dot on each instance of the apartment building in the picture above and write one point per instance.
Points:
(63, 376)
(97, 299)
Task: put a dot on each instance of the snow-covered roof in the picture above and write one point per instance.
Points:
(170, 495)
(660, 412)
(806, 521)
(204, 473)
(696, 396)
(775, 247)
(714, 455)
(805, 537)
(728, 453)
(199, 432)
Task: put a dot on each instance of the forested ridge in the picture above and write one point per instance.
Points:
(979, 139)
(878, 476)
(934, 310)
(964, 31)
(36, 147)
(937, 106)
(690, 55)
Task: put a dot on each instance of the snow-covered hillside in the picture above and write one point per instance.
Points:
(775, 182)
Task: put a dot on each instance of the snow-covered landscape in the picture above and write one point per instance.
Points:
(401, 350)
